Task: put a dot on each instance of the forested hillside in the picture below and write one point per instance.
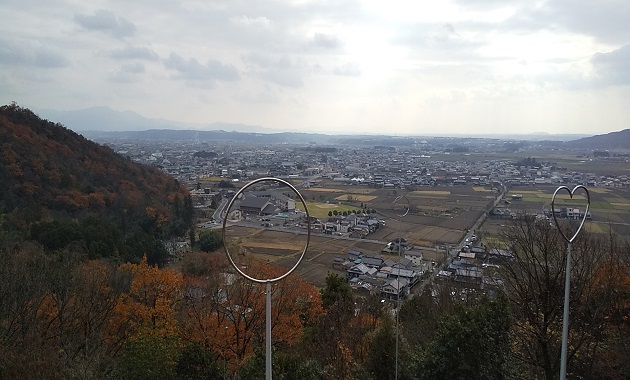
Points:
(59, 188)
(612, 140)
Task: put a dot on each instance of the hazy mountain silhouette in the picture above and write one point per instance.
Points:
(612, 140)
(107, 119)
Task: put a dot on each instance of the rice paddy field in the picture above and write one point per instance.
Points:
(283, 248)
(609, 207)
(437, 217)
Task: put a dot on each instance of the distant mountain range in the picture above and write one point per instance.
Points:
(99, 122)
(107, 119)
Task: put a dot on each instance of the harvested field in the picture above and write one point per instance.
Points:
(263, 245)
(240, 231)
(325, 190)
(321, 205)
(599, 190)
(608, 205)
(213, 179)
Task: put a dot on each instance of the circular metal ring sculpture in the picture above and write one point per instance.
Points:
(400, 198)
(308, 234)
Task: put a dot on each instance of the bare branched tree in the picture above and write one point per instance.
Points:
(534, 278)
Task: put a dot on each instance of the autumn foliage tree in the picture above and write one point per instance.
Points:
(226, 313)
(53, 179)
(149, 304)
(53, 314)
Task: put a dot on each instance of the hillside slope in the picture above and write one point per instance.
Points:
(51, 176)
(613, 140)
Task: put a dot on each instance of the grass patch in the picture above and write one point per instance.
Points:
(597, 228)
(603, 205)
(563, 196)
(344, 190)
(494, 241)
(214, 179)
(355, 197)
(531, 198)
(320, 210)
(421, 193)
(481, 189)
(362, 191)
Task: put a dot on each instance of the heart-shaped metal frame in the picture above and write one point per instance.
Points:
(553, 210)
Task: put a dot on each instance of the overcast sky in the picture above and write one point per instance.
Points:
(330, 66)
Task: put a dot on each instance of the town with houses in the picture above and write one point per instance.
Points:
(382, 167)
(399, 268)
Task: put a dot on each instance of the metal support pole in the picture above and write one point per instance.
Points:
(397, 310)
(270, 280)
(565, 317)
(268, 334)
(567, 279)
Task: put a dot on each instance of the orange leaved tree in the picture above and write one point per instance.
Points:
(226, 312)
(148, 306)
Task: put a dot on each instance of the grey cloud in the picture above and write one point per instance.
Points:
(606, 21)
(134, 52)
(348, 70)
(270, 61)
(325, 41)
(30, 53)
(283, 70)
(128, 73)
(613, 68)
(106, 22)
(284, 78)
(49, 59)
(450, 28)
(261, 21)
(133, 68)
(193, 70)
(259, 98)
(441, 41)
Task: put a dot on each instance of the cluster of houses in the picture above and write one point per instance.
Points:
(265, 203)
(470, 265)
(391, 279)
(570, 213)
(353, 225)
(401, 166)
